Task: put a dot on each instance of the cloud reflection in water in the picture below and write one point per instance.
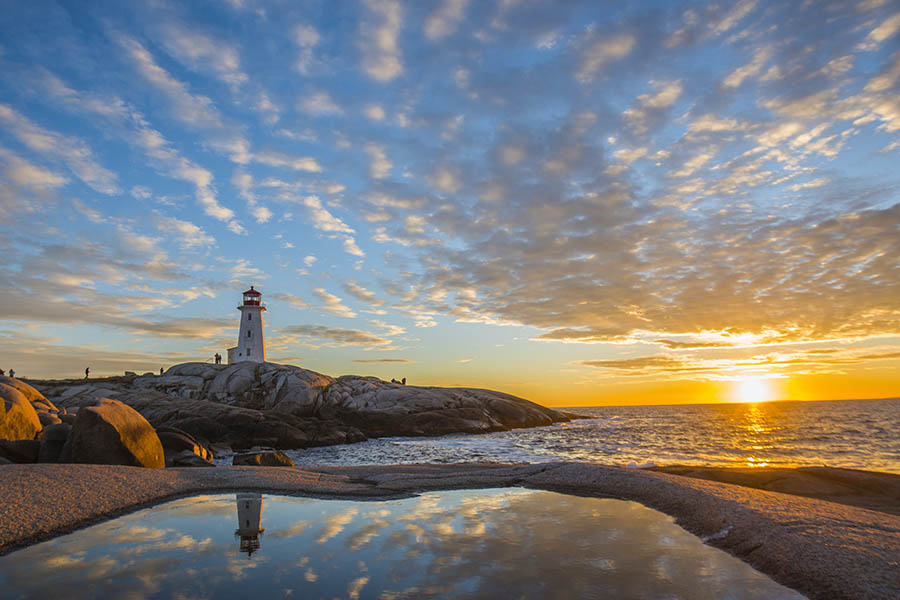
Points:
(479, 544)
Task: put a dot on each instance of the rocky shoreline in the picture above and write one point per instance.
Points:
(823, 549)
(195, 407)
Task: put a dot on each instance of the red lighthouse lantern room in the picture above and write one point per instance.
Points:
(251, 297)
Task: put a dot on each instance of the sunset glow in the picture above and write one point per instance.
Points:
(578, 203)
(753, 390)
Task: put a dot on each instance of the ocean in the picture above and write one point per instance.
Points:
(858, 434)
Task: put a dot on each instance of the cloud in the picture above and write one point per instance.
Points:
(380, 166)
(638, 364)
(350, 247)
(244, 182)
(445, 19)
(739, 75)
(375, 361)
(74, 153)
(306, 37)
(291, 299)
(184, 233)
(382, 59)
(375, 112)
(360, 293)
(339, 337)
(602, 52)
(242, 271)
(333, 304)
(194, 109)
(737, 363)
(276, 159)
(651, 108)
(268, 108)
(447, 179)
(137, 132)
(25, 174)
(886, 29)
(200, 52)
(322, 219)
(319, 103)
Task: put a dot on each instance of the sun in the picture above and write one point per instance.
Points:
(753, 390)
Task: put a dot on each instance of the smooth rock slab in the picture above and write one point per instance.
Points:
(113, 433)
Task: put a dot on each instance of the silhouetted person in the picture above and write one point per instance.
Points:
(12, 373)
(160, 371)
(87, 371)
(218, 358)
(3, 373)
(394, 380)
(403, 381)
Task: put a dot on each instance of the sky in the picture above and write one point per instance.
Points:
(580, 203)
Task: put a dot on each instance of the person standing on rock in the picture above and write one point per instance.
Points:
(403, 381)
(87, 371)
(160, 371)
(12, 373)
(2, 373)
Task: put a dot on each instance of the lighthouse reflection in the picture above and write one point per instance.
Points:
(249, 514)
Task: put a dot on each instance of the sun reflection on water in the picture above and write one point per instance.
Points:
(757, 431)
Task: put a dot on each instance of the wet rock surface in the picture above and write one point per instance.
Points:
(282, 406)
(824, 550)
(262, 459)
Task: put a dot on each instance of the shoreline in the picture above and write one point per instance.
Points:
(822, 549)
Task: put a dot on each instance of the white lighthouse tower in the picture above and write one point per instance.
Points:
(251, 345)
(249, 513)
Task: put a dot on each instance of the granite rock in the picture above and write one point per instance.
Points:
(113, 433)
(18, 419)
(262, 459)
(266, 404)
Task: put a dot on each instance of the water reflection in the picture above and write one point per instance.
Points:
(475, 544)
(249, 514)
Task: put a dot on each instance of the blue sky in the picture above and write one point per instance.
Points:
(558, 199)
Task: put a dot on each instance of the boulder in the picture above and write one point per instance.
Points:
(47, 419)
(262, 459)
(188, 459)
(68, 418)
(285, 407)
(43, 406)
(53, 439)
(18, 419)
(113, 433)
(176, 441)
(30, 393)
(20, 451)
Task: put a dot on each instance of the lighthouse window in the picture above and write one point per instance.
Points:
(248, 333)
(249, 316)
(248, 351)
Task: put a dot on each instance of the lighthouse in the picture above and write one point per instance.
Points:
(250, 344)
(249, 513)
